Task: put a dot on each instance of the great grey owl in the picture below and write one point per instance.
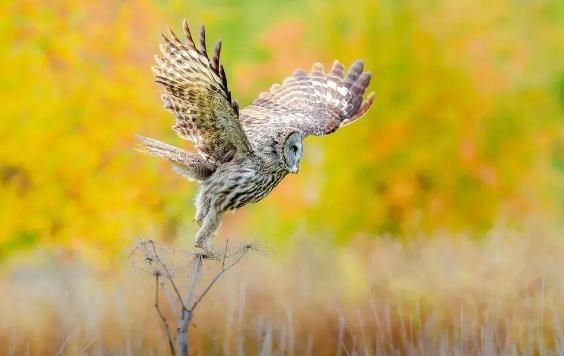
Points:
(242, 155)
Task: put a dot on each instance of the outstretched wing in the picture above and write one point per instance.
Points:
(314, 103)
(195, 91)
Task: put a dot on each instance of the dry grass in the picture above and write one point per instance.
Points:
(503, 294)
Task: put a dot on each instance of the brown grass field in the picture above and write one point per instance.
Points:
(427, 295)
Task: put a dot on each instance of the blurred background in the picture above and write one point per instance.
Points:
(463, 150)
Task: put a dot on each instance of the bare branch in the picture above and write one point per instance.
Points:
(154, 263)
(170, 301)
(163, 318)
(168, 275)
(183, 346)
(224, 269)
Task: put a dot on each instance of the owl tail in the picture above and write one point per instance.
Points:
(188, 164)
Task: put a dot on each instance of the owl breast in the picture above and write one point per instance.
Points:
(239, 182)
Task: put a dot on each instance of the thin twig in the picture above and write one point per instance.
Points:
(168, 275)
(188, 303)
(85, 347)
(216, 278)
(165, 323)
(170, 300)
(224, 254)
(67, 339)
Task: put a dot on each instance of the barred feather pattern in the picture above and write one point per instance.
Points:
(238, 183)
(243, 156)
(195, 91)
(314, 103)
(190, 165)
(233, 185)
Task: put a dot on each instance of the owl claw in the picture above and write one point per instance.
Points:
(206, 252)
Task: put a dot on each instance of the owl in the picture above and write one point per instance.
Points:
(242, 155)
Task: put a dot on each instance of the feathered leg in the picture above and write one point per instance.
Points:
(202, 203)
(209, 226)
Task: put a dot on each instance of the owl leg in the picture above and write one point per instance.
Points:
(210, 224)
(202, 211)
(202, 203)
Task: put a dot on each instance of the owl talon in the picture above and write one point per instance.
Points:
(206, 253)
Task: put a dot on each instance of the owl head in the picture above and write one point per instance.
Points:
(293, 151)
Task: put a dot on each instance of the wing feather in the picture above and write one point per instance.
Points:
(195, 91)
(190, 165)
(314, 103)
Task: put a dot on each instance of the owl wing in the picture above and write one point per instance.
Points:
(314, 103)
(195, 91)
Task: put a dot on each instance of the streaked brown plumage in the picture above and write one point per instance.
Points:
(243, 155)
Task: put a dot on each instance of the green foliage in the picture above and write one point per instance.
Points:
(19, 241)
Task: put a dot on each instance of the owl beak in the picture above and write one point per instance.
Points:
(294, 169)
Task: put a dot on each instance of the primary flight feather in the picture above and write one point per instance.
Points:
(243, 155)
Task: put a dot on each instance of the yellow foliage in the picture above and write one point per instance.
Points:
(464, 128)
